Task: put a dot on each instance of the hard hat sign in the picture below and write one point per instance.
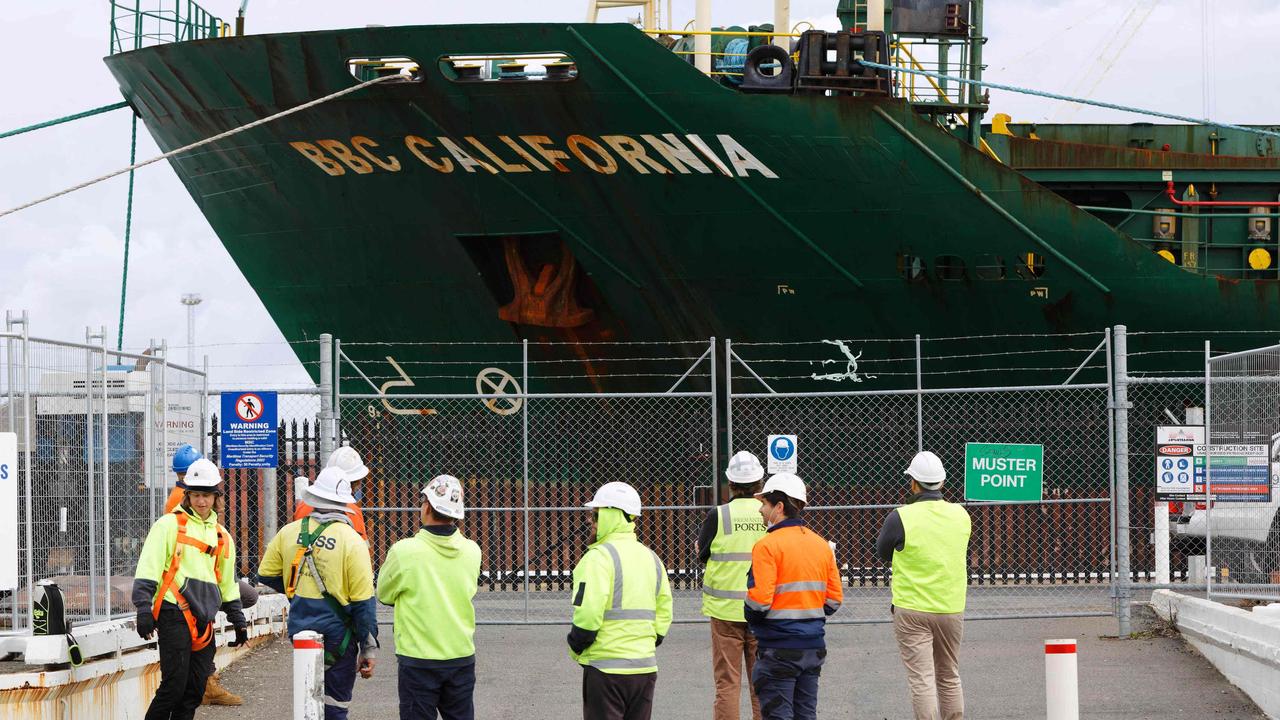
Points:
(782, 454)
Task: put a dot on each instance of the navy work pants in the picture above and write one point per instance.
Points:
(609, 696)
(424, 691)
(183, 673)
(786, 681)
(340, 681)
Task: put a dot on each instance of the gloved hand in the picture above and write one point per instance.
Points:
(658, 640)
(242, 637)
(145, 624)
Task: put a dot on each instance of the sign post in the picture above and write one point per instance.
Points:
(248, 427)
(1003, 472)
(782, 454)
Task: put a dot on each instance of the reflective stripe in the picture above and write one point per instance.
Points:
(833, 604)
(657, 571)
(617, 575)
(329, 700)
(730, 557)
(630, 615)
(758, 607)
(795, 614)
(726, 520)
(800, 586)
(724, 594)
(625, 663)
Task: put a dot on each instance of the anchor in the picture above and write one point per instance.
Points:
(549, 301)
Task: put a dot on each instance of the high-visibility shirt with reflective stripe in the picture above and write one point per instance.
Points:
(724, 582)
(794, 584)
(930, 571)
(622, 592)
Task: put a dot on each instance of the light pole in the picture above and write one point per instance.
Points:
(191, 300)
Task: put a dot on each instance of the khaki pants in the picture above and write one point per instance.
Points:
(930, 647)
(731, 644)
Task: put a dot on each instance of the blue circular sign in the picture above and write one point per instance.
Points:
(1167, 477)
(1183, 478)
(1167, 464)
(1183, 464)
(782, 449)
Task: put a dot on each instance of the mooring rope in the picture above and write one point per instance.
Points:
(202, 143)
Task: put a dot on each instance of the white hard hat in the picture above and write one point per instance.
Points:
(927, 470)
(331, 485)
(202, 475)
(617, 495)
(348, 461)
(788, 484)
(744, 468)
(444, 492)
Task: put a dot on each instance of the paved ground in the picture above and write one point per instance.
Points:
(525, 670)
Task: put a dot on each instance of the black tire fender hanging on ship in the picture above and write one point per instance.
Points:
(754, 79)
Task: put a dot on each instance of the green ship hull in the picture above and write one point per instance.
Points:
(638, 201)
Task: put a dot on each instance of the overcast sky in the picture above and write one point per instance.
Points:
(62, 260)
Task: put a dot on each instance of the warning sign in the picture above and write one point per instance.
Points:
(782, 454)
(1176, 461)
(248, 435)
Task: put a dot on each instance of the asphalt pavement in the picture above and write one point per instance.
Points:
(524, 671)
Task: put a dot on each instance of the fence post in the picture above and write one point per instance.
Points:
(308, 676)
(11, 381)
(1209, 567)
(91, 497)
(524, 444)
(26, 454)
(106, 471)
(1121, 505)
(728, 401)
(337, 392)
(715, 432)
(326, 397)
(919, 398)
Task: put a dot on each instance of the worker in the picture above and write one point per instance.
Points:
(927, 542)
(431, 579)
(214, 692)
(724, 548)
(348, 461)
(185, 575)
(322, 565)
(621, 611)
(792, 587)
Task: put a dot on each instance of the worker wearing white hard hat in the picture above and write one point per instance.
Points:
(724, 547)
(353, 469)
(927, 542)
(178, 591)
(431, 579)
(621, 611)
(792, 587)
(322, 565)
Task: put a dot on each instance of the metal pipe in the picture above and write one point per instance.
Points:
(106, 473)
(728, 395)
(715, 429)
(26, 453)
(975, 72)
(326, 397)
(524, 461)
(1123, 608)
(702, 41)
(919, 397)
(1208, 474)
(91, 496)
(337, 391)
(781, 22)
(1173, 197)
(1111, 454)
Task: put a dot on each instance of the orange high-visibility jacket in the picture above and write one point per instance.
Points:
(792, 587)
(353, 512)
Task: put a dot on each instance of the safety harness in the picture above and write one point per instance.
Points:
(307, 538)
(199, 640)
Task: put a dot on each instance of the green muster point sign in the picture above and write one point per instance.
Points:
(998, 472)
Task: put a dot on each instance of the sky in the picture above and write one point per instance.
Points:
(61, 261)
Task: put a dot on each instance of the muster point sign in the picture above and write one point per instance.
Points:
(1000, 472)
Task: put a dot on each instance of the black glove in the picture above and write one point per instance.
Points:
(242, 637)
(658, 641)
(145, 624)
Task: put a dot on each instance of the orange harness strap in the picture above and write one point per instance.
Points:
(199, 640)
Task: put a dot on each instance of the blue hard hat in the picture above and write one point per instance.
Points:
(184, 457)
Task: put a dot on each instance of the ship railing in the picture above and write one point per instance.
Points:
(137, 24)
(916, 94)
(1259, 259)
(676, 35)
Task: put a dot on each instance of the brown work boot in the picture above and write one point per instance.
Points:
(215, 694)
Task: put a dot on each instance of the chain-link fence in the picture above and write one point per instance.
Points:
(1242, 475)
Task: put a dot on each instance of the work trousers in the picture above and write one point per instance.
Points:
(786, 681)
(732, 644)
(607, 696)
(930, 647)
(425, 691)
(340, 681)
(183, 673)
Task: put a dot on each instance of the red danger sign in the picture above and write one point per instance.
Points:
(1175, 450)
(249, 407)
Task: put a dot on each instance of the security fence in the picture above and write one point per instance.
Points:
(1242, 475)
(533, 428)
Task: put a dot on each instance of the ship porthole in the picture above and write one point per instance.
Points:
(949, 267)
(911, 267)
(991, 267)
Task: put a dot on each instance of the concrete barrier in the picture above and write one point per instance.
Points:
(1243, 644)
(120, 672)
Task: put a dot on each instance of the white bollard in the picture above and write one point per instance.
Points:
(1161, 538)
(1061, 685)
(308, 676)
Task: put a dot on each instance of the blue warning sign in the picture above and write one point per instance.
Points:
(248, 434)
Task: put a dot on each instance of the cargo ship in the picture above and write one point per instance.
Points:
(591, 183)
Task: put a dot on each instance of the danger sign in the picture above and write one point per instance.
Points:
(248, 433)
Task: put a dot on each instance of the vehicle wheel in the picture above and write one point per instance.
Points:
(1235, 555)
